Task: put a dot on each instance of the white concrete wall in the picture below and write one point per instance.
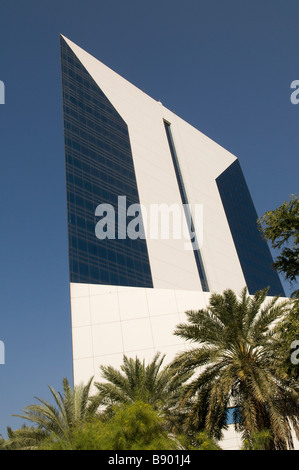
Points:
(110, 321)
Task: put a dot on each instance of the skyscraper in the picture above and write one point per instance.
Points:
(159, 216)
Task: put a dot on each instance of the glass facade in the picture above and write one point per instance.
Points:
(254, 254)
(99, 169)
(197, 255)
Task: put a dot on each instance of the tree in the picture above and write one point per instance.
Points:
(281, 228)
(199, 441)
(234, 365)
(55, 423)
(137, 426)
(136, 381)
(25, 438)
(134, 426)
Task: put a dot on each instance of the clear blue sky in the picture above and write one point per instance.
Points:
(224, 66)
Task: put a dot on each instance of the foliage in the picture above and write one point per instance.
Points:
(199, 441)
(25, 438)
(136, 381)
(261, 440)
(234, 365)
(205, 442)
(281, 228)
(134, 426)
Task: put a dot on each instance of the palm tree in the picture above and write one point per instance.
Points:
(74, 407)
(234, 364)
(136, 381)
(25, 438)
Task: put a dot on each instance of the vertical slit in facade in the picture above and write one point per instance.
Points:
(197, 255)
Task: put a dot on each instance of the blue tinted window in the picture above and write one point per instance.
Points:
(233, 415)
(254, 254)
(99, 168)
